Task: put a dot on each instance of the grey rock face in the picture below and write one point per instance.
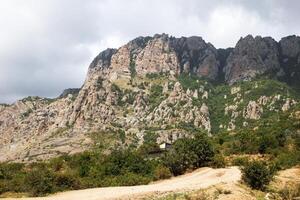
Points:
(66, 92)
(223, 55)
(196, 56)
(103, 59)
(251, 57)
(290, 58)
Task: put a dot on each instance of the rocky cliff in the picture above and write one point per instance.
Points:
(157, 85)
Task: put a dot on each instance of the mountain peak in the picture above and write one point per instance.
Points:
(159, 83)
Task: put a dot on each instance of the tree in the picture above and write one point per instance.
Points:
(189, 153)
(257, 174)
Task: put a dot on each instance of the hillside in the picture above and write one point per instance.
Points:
(162, 88)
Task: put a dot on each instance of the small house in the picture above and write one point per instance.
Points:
(165, 146)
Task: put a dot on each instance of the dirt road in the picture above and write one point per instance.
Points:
(201, 178)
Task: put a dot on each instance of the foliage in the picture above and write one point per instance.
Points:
(240, 161)
(40, 181)
(257, 174)
(191, 82)
(162, 172)
(83, 170)
(275, 134)
(189, 153)
(155, 96)
(132, 67)
(218, 161)
(154, 75)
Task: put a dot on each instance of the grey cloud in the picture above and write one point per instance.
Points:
(47, 45)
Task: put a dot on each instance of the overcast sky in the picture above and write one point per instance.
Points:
(47, 45)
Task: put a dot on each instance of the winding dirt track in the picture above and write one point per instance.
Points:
(201, 178)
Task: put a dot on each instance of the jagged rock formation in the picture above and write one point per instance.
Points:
(290, 58)
(143, 87)
(250, 57)
(196, 56)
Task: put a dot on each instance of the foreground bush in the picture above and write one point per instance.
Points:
(40, 181)
(257, 174)
(79, 171)
(189, 153)
(218, 161)
(162, 172)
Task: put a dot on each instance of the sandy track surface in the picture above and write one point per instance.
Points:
(201, 178)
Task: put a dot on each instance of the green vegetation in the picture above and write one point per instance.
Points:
(275, 136)
(257, 174)
(84, 170)
(191, 81)
(155, 75)
(156, 96)
(132, 67)
(189, 153)
(96, 169)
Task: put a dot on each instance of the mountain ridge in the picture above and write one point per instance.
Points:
(157, 84)
(203, 59)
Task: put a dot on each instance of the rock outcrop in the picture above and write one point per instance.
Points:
(135, 89)
(250, 57)
(290, 59)
(197, 57)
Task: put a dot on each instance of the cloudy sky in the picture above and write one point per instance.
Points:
(47, 45)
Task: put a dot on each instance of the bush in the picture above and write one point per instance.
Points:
(130, 179)
(240, 161)
(9, 170)
(218, 161)
(82, 170)
(65, 181)
(268, 142)
(40, 181)
(162, 172)
(257, 174)
(287, 159)
(149, 148)
(189, 153)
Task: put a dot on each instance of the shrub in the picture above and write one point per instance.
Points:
(189, 153)
(240, 161)
(287, 159)
(65, 181)
(203, 149)
(40, 181)
(9, 170)
(130, 179)
(162, 172)
(149, 148)
(175, 162)
(218, 161)
(3, 187)
(121, 162)
(267, 141)
(257, 174)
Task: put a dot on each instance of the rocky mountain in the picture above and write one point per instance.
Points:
(162, 86)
